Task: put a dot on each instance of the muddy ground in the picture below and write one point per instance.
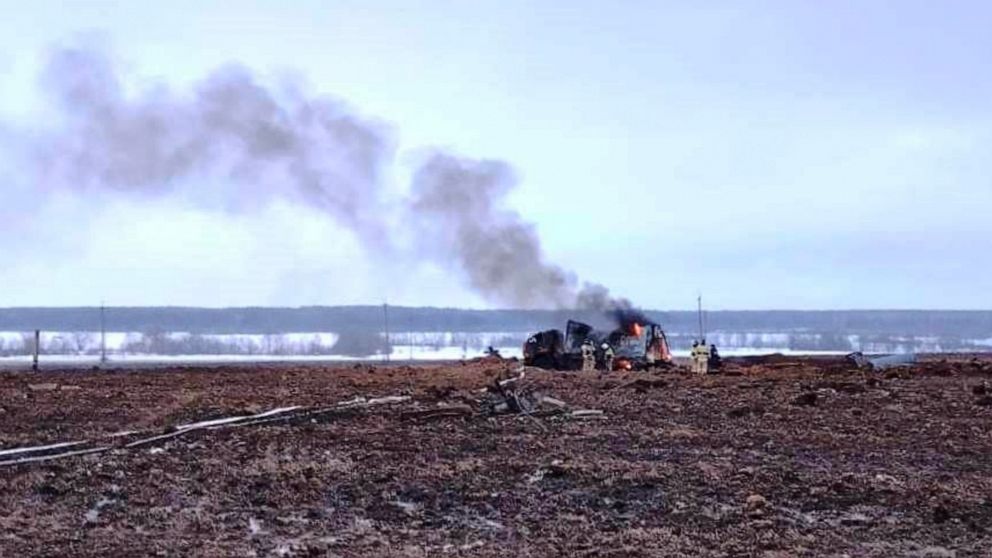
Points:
(785, 458)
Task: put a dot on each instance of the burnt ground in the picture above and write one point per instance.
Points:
(778, 459)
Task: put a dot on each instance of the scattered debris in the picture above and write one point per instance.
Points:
(858, 359)
(35, 454)
(883, 362)
(504, 397)
(232, 420)
(744, 410)
(755, 506)
(408, 508)
(43, 387)
(587, 414)
(556, 469)
(39, 458)
(548, 400)
(642, 384)
(884, 482)
(855, 520)
(254, 526)
(807, 399)
(511, 396)
(444, 411)
(93, 514)
(667, 475)
(38, 449)
(187, 428)
(890, 361)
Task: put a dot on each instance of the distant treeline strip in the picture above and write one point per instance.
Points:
(973, 324)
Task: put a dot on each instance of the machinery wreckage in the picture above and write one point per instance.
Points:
(637, 343)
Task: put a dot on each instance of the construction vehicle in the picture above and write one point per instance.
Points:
(633, 345)
(545, 349)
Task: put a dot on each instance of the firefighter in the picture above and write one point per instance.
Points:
(588, 356)
(607, 357)
(715, 361)
(700, 357)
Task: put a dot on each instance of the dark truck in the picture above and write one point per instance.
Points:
(631, 346)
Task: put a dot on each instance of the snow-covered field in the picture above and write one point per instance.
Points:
(79, 348)
(400, 353)
(86, 342)
(84, 348)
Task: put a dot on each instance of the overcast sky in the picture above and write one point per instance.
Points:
(814, 155)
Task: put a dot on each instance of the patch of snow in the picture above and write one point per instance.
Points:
(94, 513)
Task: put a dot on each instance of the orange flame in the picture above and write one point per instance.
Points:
(636, 329)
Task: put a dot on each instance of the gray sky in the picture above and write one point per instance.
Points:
(768, 154)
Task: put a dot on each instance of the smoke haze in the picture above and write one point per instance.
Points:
(250, 144)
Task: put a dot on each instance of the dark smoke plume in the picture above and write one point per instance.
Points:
(252, 145)
(313, 150)
(457, 201)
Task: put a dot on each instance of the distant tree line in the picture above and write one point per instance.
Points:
(257, 320)
(358, 344)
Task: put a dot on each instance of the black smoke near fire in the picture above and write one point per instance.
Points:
(627, 317)
(253, 144)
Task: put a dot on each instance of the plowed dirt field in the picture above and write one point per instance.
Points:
(776, 458)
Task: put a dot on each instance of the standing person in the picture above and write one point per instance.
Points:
(607, 357)
(588, 356)
(700, 357)
(715, 362)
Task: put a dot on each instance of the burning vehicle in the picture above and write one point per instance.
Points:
(636, 344)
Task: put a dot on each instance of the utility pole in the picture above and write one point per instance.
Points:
(103, 333)
(37, 348)
(385, 322)
(699, 306)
